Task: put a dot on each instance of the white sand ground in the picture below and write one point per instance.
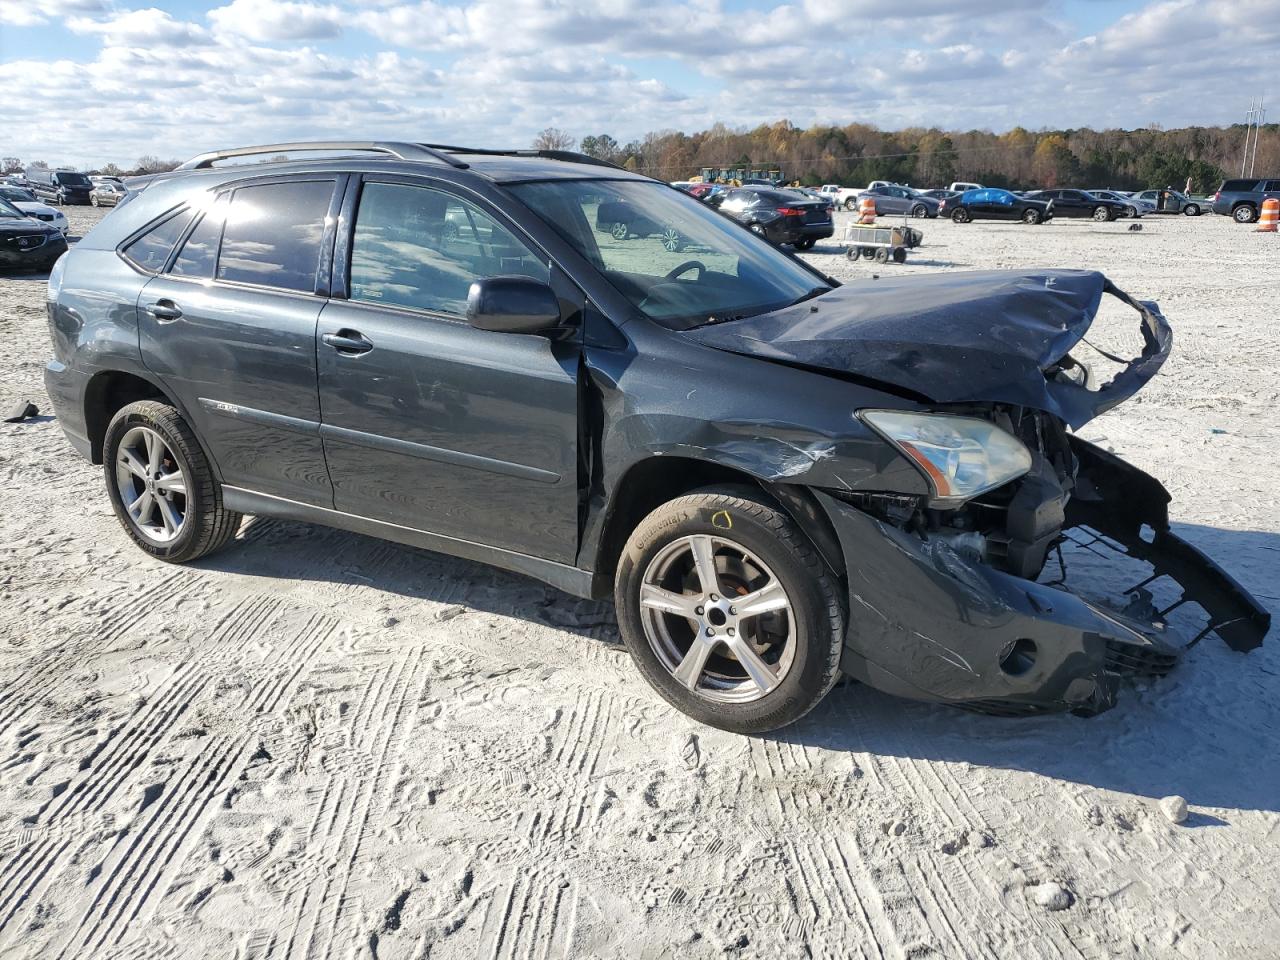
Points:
(320, 745)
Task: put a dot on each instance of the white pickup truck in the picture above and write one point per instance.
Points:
(847, 197)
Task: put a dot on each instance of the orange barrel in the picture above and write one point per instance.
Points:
(866, 209)
(1270, 219)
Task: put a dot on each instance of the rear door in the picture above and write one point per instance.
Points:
(230, 327)
(428, 422)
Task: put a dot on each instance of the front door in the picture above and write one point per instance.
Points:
(230, 328)
(428, 422)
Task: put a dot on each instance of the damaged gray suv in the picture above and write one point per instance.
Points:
(779, 479)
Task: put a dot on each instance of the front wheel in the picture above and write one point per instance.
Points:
(161, 484)
(1031, 216)
(1191, 210)
(93, 201)
(919, 210)
(729, 612)
(671, 240)
(1102, 214)
(620, 231)
(959, 215)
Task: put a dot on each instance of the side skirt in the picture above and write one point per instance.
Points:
(580, 583)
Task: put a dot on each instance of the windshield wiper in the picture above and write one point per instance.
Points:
(815, 292)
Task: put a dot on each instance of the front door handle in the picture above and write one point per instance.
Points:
(166, 311)
(350, 342)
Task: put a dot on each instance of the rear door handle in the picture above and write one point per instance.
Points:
(166, 311)
(350, 342)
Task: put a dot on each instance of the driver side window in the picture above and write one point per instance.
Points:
(420, 247)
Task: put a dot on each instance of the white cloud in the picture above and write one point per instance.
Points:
(22, 13)
(496, 71)
(277, 20)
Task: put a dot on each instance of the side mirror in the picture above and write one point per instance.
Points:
(514, 304)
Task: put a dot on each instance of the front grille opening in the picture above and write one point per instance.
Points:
(1018, 657)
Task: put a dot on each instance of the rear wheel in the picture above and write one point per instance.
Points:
(671, 240)
(804, 244)
(899, 255)
(619, 231)
(758, 230)
(1103, 214)
(869, 252)
(1244, 214)
(161, 484)
(1031, 216)
(729, 612)
(882, 255)
(959, 215)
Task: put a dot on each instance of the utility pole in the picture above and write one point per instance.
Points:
(1248, 130)
(1257, 132)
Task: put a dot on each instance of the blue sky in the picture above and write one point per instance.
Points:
(91, 81)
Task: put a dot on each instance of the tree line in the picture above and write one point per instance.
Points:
(857, 153)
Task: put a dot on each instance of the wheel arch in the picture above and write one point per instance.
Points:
(652, 481)
(109, 390)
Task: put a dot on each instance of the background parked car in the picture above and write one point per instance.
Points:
(1134, 206)
(1242, 199)
(106, 194)
(779, 217)
(26, 201)
(902, 200)
(100, 178)
(941, 193)
(27, 244)
(992, 203)
(1081, 203)
(1170, 201)
(59, 186)
(807, 193)
(622, 221)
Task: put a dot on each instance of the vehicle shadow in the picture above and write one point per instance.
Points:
(1205, 732)
(266, 547)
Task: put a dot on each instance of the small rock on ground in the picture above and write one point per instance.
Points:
(1175, 808)
(1050, 895)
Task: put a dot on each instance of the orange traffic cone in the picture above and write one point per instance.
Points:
(866, 209)
(1270, 219)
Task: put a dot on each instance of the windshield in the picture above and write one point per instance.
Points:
(17, 193)
(679, 262)
(7, 209)
(73, 180)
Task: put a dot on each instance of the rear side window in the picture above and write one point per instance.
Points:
(421, 248)
(273, 233)
(1272, 186)
(199, 255)
(1239, 186)
(151, 251)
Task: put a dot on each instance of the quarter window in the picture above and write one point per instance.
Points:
(273, 233)
(151, 251)
(199, 254)
(420, 247)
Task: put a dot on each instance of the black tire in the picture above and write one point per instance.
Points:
(759, 231)
(208, 525)
(1244, 214)
(450, 231)
(1191, 210)
(1103, 214)
(851, 203)
(919, 211)
(1031, 216)
(960, 215)
(900, 255)
(620, 231)
(813, 592)
(882, 255)
(93, 201)
(804, 244)
(869, 252)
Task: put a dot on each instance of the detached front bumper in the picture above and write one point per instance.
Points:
(929, 623)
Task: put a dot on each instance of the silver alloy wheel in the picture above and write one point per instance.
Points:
(152, 486)
(718, 619)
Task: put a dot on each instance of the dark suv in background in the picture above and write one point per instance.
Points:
(1242, 199)
(776, 477)
(59, 186)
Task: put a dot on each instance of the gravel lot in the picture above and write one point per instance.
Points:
(316, 744)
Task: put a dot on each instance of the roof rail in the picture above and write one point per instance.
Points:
(400, 151)
(567, 156)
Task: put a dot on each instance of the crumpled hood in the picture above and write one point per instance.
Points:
(955, 337)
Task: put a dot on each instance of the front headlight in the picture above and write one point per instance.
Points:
(961, 456)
